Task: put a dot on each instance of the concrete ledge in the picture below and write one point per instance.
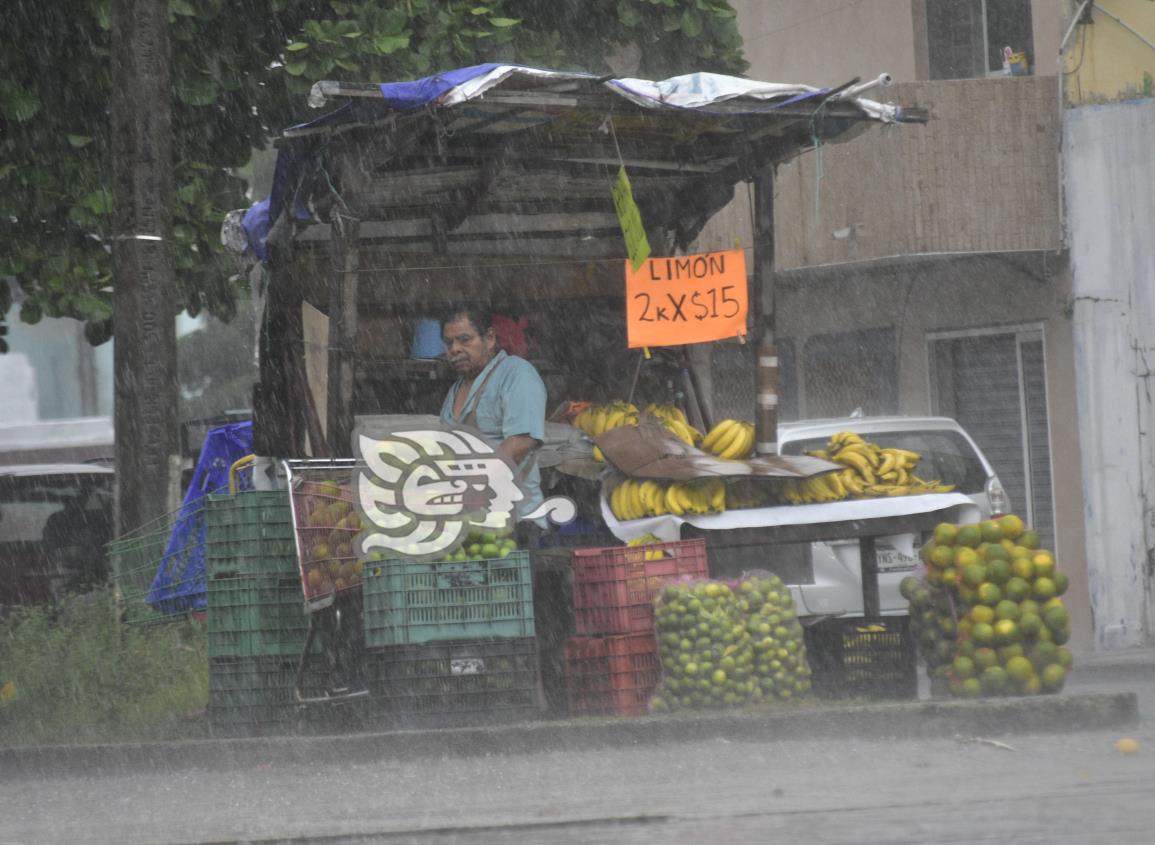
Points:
(923, 719)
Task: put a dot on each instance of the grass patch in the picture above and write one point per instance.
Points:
(74, 674)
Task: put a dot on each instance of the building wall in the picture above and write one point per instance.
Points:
(1110, 193)
(807, 42)
(1104, 61)
(981, 176)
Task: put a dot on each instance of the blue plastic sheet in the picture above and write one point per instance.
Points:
(179, 584)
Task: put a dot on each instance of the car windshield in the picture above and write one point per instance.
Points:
(946, 455)
(27, 503)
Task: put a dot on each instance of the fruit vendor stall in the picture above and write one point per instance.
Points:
(547, 195)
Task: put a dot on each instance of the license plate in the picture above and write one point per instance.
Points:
(892, 560)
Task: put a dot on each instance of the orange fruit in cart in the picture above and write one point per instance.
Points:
(945, 534)
(1044, 564)
(1012, 526)
(969, 535)
(313, 580)
(991, 530)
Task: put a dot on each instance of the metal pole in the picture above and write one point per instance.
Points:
(762, 330)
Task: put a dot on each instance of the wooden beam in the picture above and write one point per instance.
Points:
(343, 279)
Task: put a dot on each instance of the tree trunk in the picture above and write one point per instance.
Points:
(147, 452)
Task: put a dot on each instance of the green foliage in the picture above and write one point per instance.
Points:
(238, 79)
(76, 674)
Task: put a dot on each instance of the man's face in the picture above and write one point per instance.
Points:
(467, 349)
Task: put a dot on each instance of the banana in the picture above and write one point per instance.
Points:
(718, 496)
(679, 430)
(717, 433)
(726, 441)
(598, 456)
(739, 447)
(864, 449)
(908, 456)
(673, 505)
(650, 491)
(616, 502)
(581, 421)
(851, 481)
(858, 462)
(819, 453)
(614, 420)
(598, 422)
(637, 506)
(888, 464)
(843, 438)
(834, 483)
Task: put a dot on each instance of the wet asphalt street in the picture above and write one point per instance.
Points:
(1021, 788)
(1036, 788)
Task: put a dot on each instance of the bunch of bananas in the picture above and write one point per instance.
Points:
(647, 540)
(820, 488)
(634, 499)
(730, 439)
(675, 422)
(598, 419)
(871, 470)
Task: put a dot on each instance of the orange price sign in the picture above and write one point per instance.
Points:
(686, 299)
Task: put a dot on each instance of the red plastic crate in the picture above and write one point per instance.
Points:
(611, 676)
(614, 588)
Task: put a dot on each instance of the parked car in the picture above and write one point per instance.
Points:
(54, 522)
(948, 453)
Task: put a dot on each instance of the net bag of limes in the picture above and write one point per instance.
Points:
(987, 612)
(728, 644)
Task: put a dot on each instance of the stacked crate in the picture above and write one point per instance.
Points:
(451, 642)
(256, 620)
(612, 666)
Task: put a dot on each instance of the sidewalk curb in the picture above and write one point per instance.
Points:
(923, 719)
(1121, 665)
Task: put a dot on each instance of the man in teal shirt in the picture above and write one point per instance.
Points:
(500, 394)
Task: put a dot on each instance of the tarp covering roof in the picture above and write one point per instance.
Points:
(501, 158)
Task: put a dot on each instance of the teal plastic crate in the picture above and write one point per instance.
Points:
(256, 616)
(250, 533)
(408, 602)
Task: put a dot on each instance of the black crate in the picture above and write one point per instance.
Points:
(255, 696)
(853, 658)
(454, 684)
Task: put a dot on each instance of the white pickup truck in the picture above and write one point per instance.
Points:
(948, 453)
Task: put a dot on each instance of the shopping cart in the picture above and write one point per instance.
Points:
(325, 524)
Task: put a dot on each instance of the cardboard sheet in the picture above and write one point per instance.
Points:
(668, 526)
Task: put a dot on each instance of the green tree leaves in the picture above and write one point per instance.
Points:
(240, 72)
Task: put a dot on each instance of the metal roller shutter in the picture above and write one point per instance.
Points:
(995, 386)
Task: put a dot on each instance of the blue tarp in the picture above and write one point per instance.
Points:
(406, 96)
(179, 584)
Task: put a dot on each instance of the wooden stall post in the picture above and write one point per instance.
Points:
(766, 408)
(346, 260)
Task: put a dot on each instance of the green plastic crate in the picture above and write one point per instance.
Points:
(253, 696)
(408, 602)
(256, 616)
(135, 558)
(250, 533)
